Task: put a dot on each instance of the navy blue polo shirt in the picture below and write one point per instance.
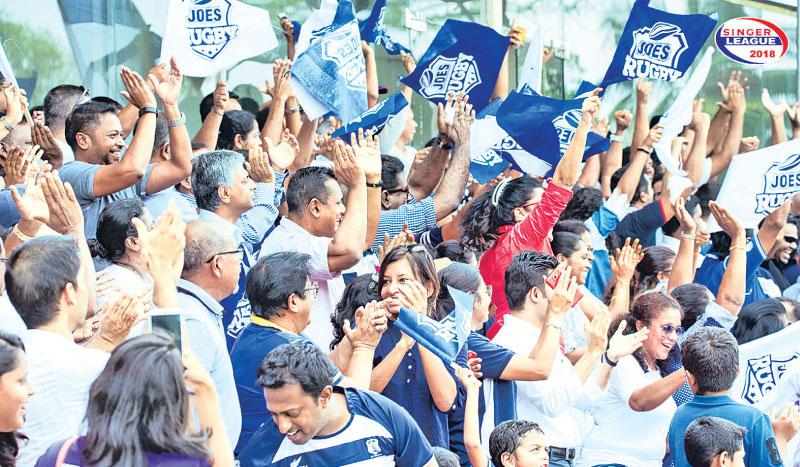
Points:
(710, 272)
(760, 448)
(258, 338)
(409, 388)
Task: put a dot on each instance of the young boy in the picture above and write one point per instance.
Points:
(714, 442)
(518, 443)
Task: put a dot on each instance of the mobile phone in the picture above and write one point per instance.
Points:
(552, 281)
(471, 355)
(169, 323)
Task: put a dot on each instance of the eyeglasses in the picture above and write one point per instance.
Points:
(85, 93)
(488, 291)
(239, 252)
(3, 260)
(314, 289)
(668, 329)
(789, 239)
(404, 190)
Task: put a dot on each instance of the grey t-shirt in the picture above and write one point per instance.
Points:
(81, 176)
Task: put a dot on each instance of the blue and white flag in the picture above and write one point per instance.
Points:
(763, 362)
(206, 36)
(374, 31)
(374, 119)
(656, 44)
(5, 66)
(331, 70)
(463, 57)
(544, 128)
(444, 338)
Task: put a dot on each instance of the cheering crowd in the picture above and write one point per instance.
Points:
(605, 319)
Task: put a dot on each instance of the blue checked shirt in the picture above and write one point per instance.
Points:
(420, 217)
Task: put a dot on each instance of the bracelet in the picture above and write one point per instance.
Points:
(292, 110)
(218, 112)
(378, 184)
(21, 235)
(616, 138)
(4, 121)
(607, 360)
(645, 150)
(553, 325)
(178, 122)
(442, 144)
(147, 110)
(736, 247)
(691, 237)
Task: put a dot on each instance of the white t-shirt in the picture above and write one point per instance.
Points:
(289, 236)
(620, 435)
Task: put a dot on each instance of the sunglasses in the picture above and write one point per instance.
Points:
(789, 239)
(239, 252)
(668, 329)
(404, 190)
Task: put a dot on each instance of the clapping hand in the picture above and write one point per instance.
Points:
(371, 323)
(21, 165)
(564, 292)
(258, 165)
(137, 91)
(405, 237)
(623, 264)
(622, 345)
(346, 168)
(284, 153)
(43, 137)
(163, 245)
(169, 89)
(368, 151)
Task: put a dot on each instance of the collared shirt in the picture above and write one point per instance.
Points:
(556, 403)
(529, 234)
(420, 216)
(257, 340)
(157, 203)
(379, 433)
(81, 176)
(409, 387)
(289, 236)
(616, 424)
(760, 448)
(61, 372)
(236, 305)
(203, 317)
(66, 151)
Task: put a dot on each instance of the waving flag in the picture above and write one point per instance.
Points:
(374, 119)
(317, 23)
(463, 57)
(762, 363)
(5, 66)
(331, 71)
(206, 36)
(656, 44)
(374, 31)
(544, 128)
(446, 337)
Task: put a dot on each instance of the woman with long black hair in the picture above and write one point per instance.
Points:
(14, 393)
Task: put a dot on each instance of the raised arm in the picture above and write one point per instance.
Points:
(273, 127)
(566, 172)
(472, 429)
(641, 125)
(776, 112)
(731, 292)
(408, 64)
(623, 266)
(168, 173)
(209, 131)
(775, 221)
(451, 188)
(697, 154)
(112, 178)
(611, 161)
(501, 85)
(683, 267)
(372, 74)
(368, 150)
(730, 146)
(721, 121)
(639, 155)
(347, 245)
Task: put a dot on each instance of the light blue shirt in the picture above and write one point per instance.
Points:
(157, 203)
(203, 317)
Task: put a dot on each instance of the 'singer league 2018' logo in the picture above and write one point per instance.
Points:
(208, 27)
(780, 182)
(449, 74)
(655, 52)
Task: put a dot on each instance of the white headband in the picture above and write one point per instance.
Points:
(498, 191)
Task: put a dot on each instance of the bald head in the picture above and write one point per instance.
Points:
(204, 239)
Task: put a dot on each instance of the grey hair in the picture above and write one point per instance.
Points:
(204, 239)
(212, 170)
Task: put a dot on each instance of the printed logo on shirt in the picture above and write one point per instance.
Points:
(208, 27)
(655, 52)
(565, 125)
(343, 47)
(449, 74)
(240, 319)
(780, 182)
(373, 447)
(774, 453)
(296, 462)
(762, 375)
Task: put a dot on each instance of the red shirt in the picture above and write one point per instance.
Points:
(529, 234)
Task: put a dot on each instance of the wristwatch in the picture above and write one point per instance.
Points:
(378, 184)
(177, 122)
(147, 110)
(442, 144)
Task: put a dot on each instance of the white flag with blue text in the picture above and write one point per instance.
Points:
(763, 362)
(206, 36)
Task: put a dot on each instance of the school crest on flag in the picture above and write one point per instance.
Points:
(779, 183)
(208, 27)
(449, 74)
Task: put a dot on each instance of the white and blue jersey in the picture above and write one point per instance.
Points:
(379, 433)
